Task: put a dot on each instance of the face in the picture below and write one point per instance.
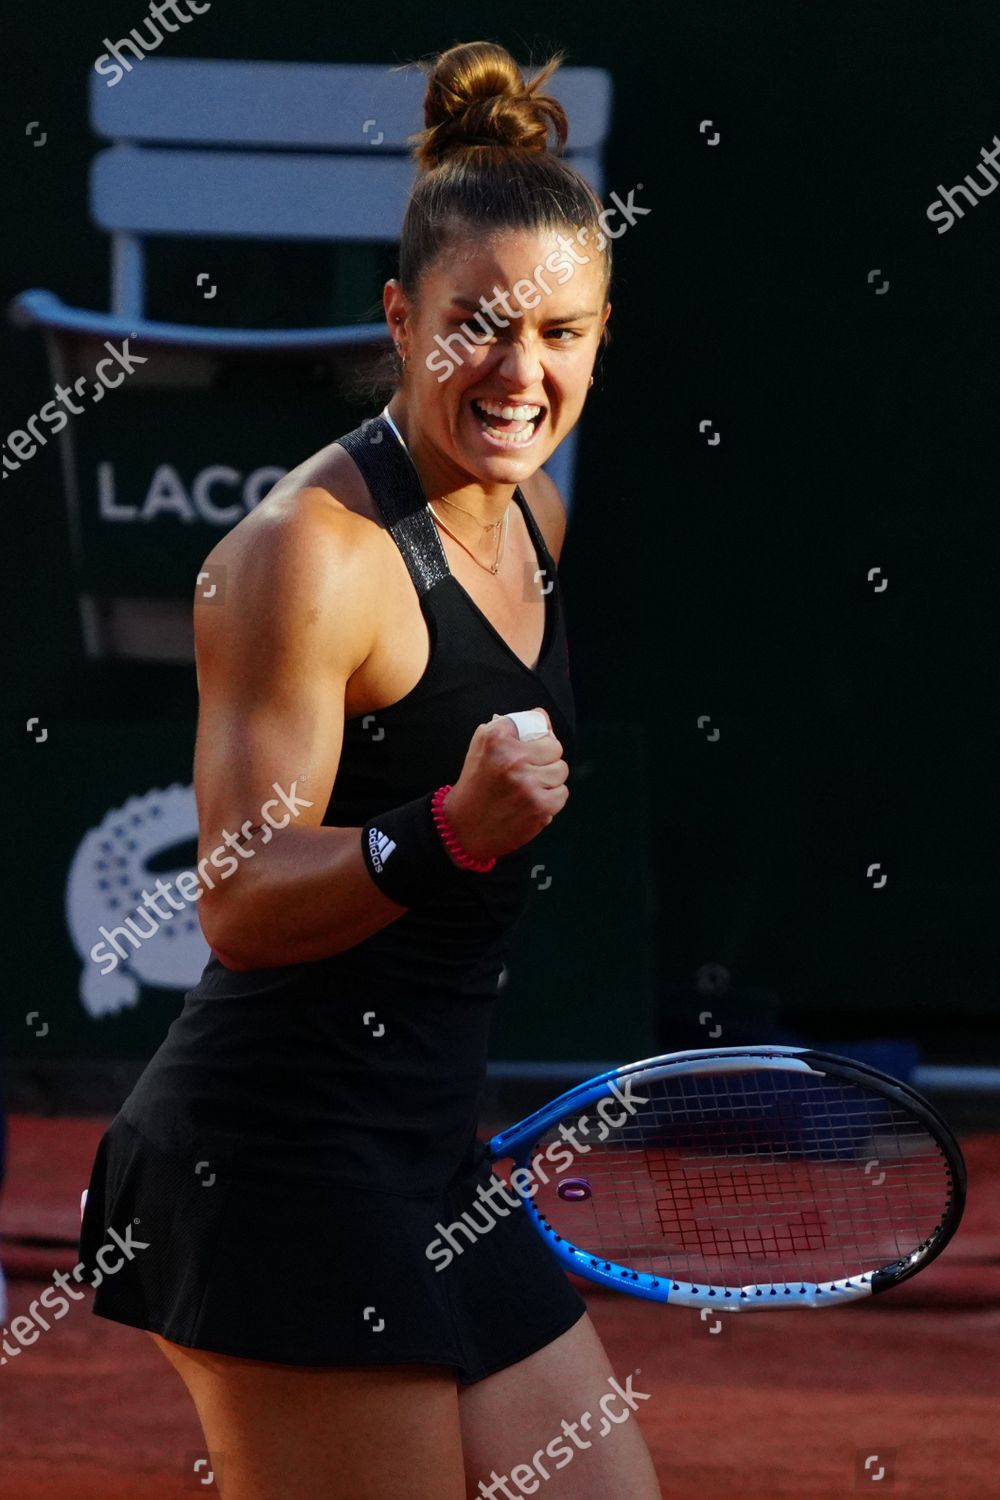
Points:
(500, 344)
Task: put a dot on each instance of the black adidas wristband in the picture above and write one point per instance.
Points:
(405, 856)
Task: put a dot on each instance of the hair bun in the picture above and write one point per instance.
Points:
(477, 96)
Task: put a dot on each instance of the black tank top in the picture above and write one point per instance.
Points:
(367, 1066)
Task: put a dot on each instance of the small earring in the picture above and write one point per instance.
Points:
(591, 381)
(401, 356)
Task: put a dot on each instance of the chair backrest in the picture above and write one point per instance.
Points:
(274, 150)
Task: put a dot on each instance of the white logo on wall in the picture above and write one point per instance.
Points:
(219, 494)
(107, 877)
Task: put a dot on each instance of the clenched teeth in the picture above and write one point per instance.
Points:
(509, 413)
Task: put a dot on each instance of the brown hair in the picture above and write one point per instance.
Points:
(487, 165)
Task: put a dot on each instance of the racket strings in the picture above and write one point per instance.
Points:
(743, 1178)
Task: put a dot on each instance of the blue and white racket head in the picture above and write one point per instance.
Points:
(745, 1178)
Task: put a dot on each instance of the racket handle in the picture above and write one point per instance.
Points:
(529, 723)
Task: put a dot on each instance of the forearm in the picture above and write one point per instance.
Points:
(305, 894)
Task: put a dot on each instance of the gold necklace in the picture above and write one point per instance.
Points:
(486, 525)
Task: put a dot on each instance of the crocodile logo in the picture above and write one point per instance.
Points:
(107, 877)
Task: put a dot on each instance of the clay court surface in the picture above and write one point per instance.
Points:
(899, 1395)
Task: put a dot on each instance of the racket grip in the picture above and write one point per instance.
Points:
(529, 723)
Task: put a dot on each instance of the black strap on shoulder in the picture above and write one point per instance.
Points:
(394, 483)
(534, 529)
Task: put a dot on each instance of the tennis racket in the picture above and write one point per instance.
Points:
(740, 1177)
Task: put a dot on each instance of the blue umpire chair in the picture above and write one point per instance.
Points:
(228, 149)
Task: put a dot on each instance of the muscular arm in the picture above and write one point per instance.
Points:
(298, 617)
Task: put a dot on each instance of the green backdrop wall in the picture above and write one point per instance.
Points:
(802, 748)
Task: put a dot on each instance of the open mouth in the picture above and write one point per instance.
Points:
(507, 425)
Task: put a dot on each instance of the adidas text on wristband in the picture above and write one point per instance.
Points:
(405, 856)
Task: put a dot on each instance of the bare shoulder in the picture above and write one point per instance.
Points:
(318, 517)
(542, 494)
(307, 555)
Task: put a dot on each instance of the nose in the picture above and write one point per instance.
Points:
(521, 364)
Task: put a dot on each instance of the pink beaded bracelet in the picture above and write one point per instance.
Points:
(458, 854)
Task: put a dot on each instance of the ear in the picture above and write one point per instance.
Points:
(394, 302)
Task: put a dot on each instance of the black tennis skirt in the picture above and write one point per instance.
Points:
(316, 1273)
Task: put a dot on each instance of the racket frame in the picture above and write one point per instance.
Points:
(518, 1141)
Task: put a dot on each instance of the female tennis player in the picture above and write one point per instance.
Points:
(307, 1131)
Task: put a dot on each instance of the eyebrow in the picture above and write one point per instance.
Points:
(468, 305)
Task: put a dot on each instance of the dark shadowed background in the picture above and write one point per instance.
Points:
(765, 718)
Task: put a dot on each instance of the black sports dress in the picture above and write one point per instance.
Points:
(305, 1134)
